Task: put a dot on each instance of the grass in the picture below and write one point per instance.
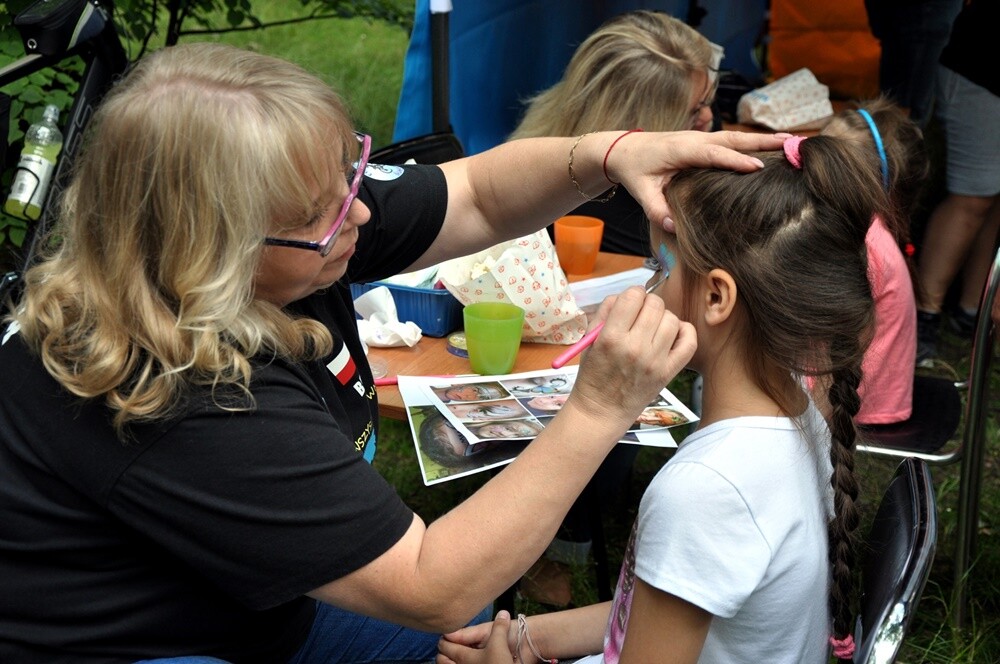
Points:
(360, 59)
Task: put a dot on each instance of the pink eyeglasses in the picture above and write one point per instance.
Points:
(354, 181)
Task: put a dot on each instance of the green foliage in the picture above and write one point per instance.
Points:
(29, 96)
(146, 25)
(182, 18)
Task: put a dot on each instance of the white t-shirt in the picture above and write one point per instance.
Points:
(736, 523)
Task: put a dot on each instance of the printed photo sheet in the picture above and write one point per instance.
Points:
(466, 425)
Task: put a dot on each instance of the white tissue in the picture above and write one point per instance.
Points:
(380, 325)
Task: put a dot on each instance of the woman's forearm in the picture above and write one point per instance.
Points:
(518, 187)
(526, 184)
(505, 526)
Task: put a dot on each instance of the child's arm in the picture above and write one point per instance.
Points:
(663, 628)
(563, 634)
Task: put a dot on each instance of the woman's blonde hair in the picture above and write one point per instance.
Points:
(147, 287)
(634, 71)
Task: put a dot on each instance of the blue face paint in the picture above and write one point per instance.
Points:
(667, 259)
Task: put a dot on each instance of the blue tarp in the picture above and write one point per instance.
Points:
(503, 51)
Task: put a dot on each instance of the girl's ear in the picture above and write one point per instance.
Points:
(720, 296)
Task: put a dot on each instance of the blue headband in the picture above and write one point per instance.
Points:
(878, 146)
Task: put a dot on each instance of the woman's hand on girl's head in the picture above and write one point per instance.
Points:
(644, 162)
(642, 347)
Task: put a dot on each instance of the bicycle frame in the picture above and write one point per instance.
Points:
(105, 60)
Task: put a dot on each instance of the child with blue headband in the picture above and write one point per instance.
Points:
(886, 130)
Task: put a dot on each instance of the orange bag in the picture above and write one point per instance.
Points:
(829, 37)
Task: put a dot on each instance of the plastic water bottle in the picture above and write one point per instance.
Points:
(42, 144)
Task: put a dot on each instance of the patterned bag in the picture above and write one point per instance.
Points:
(797, 101)
(525, 272)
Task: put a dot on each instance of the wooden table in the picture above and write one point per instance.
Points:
(430, 356)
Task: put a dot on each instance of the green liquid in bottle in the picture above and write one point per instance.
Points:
(42, 144)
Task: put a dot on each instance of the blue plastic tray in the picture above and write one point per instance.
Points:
(436, 311)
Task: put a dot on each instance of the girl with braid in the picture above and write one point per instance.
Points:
(742, 549)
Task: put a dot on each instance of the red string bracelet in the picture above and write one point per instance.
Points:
(607, 154)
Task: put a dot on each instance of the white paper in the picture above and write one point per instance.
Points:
(589, 293)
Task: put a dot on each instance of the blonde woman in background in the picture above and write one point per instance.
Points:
(640, 70)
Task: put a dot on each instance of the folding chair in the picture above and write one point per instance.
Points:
(899, 551)
(936, 416)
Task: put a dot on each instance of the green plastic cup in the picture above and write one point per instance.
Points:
(493, 335)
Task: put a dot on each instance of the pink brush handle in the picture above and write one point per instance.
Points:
(578, 347)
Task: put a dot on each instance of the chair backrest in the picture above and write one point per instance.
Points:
(435, 148)
(898, 553)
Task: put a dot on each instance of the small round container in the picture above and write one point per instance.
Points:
(457, 344)
(378, 366)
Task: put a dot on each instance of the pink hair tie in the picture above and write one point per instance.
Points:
(843, 648)
(791, 148)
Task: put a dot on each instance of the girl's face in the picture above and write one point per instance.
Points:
(551, 402)
(507, 430)
(471, 393)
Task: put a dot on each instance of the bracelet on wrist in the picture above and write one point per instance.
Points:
(607, 154)
(524, 636)
(572, 175)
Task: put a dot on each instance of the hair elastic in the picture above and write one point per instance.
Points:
(843, 648)
(611, 147)
(878, 146)
(791, 148)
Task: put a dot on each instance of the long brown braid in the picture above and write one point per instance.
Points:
(793, 239)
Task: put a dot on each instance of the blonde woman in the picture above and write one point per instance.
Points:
(188, 417)
(641, 69)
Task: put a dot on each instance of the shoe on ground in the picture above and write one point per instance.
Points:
(928, 333)
(962, 322)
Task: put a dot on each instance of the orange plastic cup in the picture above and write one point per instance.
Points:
(578, 241)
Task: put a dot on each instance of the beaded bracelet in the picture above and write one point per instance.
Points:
(572, 175)
(523, 635)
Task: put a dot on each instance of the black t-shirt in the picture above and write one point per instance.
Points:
(201, 534)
